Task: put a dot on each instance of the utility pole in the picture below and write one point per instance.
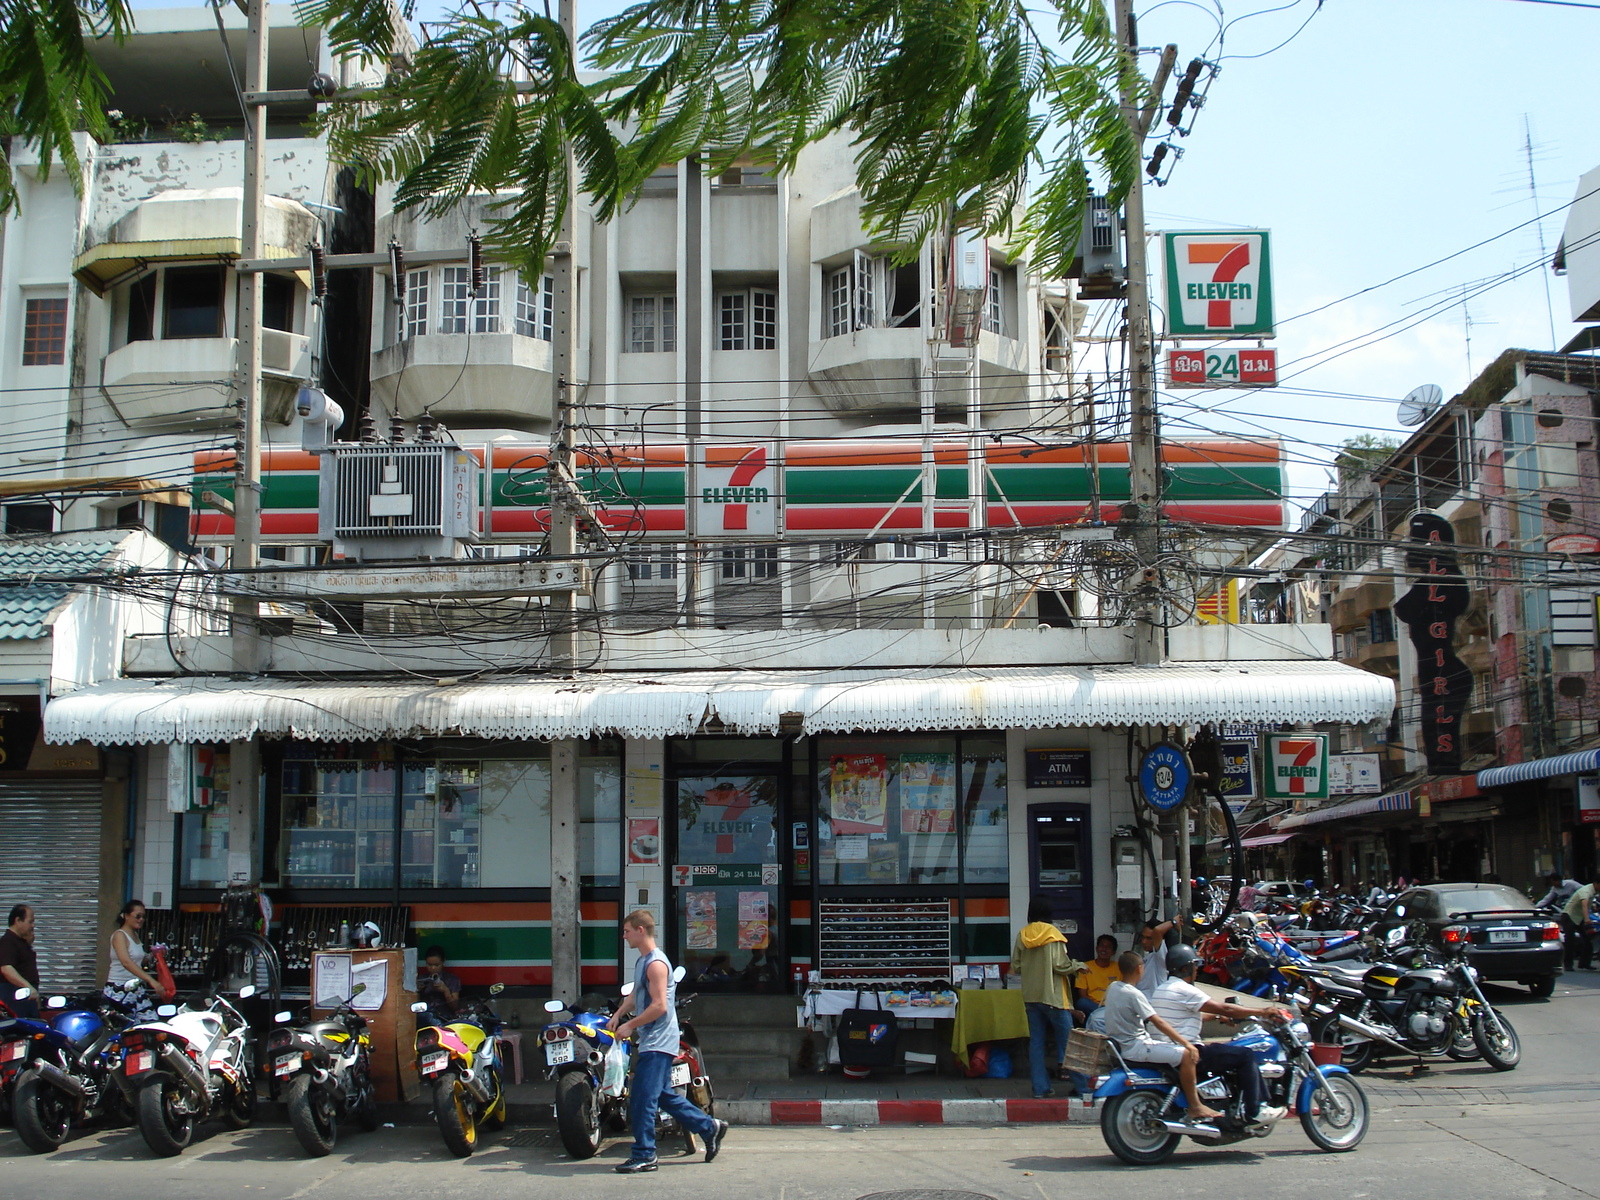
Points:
(1144, 455)
(244, 757)
(565, 955)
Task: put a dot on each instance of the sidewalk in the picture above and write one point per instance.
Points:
(834, 1100)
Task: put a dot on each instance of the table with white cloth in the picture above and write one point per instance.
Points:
(830, 1002)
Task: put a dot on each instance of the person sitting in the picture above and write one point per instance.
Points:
(1092, 982)
(436, 987)
(1180, 1003)
(1129, 1016)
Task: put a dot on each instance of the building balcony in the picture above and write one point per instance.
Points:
(506, 384)
(876, 370)
(186, 383)
(1381, 658)
(1478, 655)
(1356, 604)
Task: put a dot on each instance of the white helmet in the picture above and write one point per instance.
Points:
(368, 935)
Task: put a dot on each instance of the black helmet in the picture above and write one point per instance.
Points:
(1180, 959)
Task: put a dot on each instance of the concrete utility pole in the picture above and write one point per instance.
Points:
(565, 953)
(1144, 461)
(244, 757)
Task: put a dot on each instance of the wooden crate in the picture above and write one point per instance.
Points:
(1087, 1053)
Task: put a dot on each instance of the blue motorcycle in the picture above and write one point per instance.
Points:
(1142, 1118)
(60, 1070)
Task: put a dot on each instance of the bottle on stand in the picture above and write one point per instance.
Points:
(344, 933)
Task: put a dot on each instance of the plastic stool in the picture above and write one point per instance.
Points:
(513, 1041)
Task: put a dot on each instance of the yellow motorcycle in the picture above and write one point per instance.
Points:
(460, 1062)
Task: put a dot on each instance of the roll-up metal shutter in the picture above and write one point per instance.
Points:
(50, 858)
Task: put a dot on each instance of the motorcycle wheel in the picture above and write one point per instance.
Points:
(1133, 1130)
(166, 1125)
(367, 1114)
(452, 1108)
(1358, 1052)
(1501, 1049)
(495, 1117)
(311, 1116)
(577, 1115)
(1341, 1131)
(240, 1109)
(1463, 1046)
(42, 1115)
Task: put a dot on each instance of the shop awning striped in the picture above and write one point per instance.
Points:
(1580, 763)
(1392, 802)
(662, 704)
(1265, 839)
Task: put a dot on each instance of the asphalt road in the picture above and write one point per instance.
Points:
(1454, 1131)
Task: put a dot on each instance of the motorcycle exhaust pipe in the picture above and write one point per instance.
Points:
(325, 1079)
(473, 1084)
(61, 1081)
(596, 1059)
(1207, 1132)
(1372, 1034)
(190, 1075)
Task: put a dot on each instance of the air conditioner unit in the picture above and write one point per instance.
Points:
(398, 500)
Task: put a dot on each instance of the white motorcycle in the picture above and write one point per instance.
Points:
(190, 1065)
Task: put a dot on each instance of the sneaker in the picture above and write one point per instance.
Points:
(635, 1166)
(1047, 1094)
(714, 1142)
(1270, 1114)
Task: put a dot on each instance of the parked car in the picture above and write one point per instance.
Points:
(1508, 939)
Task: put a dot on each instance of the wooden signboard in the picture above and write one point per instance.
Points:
(390, 1021)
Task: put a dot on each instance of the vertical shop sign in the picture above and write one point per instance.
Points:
(1429, 611)
(1238, 783)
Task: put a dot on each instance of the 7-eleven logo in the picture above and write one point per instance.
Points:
(1299, 766)
(1217, 283)
(736, 492)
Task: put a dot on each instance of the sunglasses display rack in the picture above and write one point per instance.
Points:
(883, 943)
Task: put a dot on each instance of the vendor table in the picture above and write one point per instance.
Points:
(987, 1016)
(830, 1002)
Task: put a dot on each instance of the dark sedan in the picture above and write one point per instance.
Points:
(1507, 938)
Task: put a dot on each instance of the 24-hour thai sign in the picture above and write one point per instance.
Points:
(1219, 284)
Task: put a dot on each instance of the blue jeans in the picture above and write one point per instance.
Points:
(1044, 1018)
(652, 1072)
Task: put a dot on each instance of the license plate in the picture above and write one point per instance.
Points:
(286, 1064)
(1505, 935)
(558, 1052)
(140, 1060)
(680, 1075)
(435, 1061)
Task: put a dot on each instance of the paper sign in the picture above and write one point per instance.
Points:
(375, 975)
(850, 848)
(927, 793)
(858, 789)
(753, 928)
(700, 912)
(330, 982)
(644, 840)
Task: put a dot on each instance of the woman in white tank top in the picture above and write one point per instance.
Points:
(127, 973)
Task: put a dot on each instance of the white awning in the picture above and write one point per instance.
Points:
(133, 711)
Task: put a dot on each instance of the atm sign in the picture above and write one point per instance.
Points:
(1223, 367)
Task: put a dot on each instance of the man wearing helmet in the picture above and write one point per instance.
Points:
(1180, 1003)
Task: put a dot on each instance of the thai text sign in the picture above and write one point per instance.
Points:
(1219, 284)
(1223, 367)
(1297, 766)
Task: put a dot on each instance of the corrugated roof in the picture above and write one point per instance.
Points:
(754, 702)
(27, 608)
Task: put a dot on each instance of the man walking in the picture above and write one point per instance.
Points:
(657, 1028)
(19, 965)
(1575, 918)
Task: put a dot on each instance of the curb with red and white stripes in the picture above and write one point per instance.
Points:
(906, 1112)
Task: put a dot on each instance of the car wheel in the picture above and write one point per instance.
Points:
(1542, 987)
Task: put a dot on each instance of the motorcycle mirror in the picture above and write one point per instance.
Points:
(496, 988)
(419, 1007)
(627, 990)
(247, 991)
(56, 1002)
(23, 993)
(677, 974)
(282, 1018)
(167, 1010)
(1395, 936)
(554, 1006)
(357, 990)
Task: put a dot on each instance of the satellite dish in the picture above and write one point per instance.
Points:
(1421, 403)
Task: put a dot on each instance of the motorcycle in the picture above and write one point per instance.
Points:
(1142, 1118)
(591, 1070)
(62, 1071)
(186, 1066)
(460, 1061)
(323, 1071)
(1421, 1004)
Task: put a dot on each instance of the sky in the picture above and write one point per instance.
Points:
(1372, 137)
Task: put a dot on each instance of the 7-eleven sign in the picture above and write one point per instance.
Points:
(1297, 766)
(1219, 284)
(736, 492)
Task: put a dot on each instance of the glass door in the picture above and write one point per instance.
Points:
(726, 891)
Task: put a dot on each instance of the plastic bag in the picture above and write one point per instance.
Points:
(616, 1070)
(169, 987)
(999, 1063)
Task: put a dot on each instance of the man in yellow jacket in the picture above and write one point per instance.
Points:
(1040, 959)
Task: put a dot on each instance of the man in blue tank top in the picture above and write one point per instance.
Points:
(653, 1052)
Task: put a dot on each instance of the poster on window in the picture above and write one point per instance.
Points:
(927, 793)
(858, 791)
(700, 915)
(753, 926)
(644, 840)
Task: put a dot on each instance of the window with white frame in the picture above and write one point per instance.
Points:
(660, 566)
(749, 562)
(747, 320)
(852, 296)
(993, 308)
(414, 313)
(841, 306)
(536, 309)
(455, 299)
(652, 323)
(486, 304)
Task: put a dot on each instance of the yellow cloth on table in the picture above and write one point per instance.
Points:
(987, 1016)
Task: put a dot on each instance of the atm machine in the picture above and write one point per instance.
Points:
(1060, 866)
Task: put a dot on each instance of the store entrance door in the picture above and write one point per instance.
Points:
(726, 889)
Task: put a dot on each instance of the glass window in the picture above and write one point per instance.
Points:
(535, 312)
(993, 307)
(193, 302)
(277, 302)
(44, 332)
(600, 821)
(983, 804)
(338, 823)
(652, 324)
(731, 319)
(840, 308)
(142, 309)
(414, 317)
(514, 829)
(763, 319)
(455, 297)
(486, 305)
